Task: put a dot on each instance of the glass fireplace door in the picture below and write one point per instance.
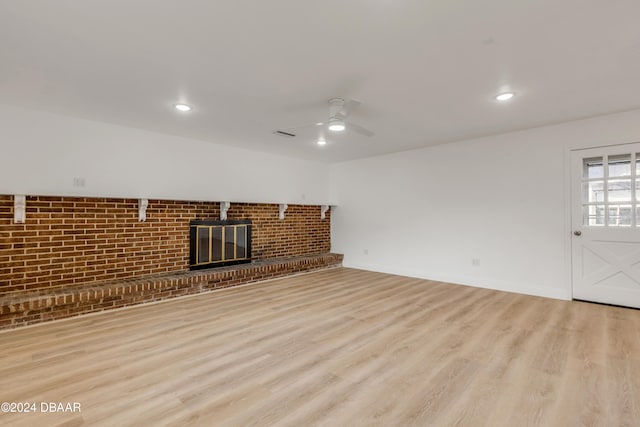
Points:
(217, 243)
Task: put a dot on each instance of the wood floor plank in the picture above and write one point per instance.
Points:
(332, 348)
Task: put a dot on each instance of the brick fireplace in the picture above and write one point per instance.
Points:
(69, 243)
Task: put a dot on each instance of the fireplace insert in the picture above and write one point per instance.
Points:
(219, 243)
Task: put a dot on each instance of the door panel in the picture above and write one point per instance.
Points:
(605, 190)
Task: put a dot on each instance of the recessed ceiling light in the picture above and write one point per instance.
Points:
(182, 107)
(336, 125)
(321, 141)
(505, 96)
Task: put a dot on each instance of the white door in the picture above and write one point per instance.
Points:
(605, 210)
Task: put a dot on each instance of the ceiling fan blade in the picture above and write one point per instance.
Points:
(349, 107)
(359, 129)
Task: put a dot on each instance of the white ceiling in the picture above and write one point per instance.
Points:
(426, 71)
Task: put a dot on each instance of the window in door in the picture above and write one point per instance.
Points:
(611, 191)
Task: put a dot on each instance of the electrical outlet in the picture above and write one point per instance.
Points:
(365, 251)
(475, 262)
(78, 182)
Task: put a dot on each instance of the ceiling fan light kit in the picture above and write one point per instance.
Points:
(505, 96)
(336, 125)
(339, 114)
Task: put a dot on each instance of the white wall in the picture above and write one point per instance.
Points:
(42, 153)
(503, 200)
(424, 213)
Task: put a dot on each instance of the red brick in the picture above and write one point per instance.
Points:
(89, 240)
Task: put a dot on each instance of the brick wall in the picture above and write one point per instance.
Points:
(68, 241)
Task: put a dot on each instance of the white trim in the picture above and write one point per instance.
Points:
(568, 221)
(588, 147)
(539, 291)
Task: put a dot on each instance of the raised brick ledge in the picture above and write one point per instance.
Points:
(19, 309)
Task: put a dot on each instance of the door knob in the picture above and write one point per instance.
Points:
(577, 233)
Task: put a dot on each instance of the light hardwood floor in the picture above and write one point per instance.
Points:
(339, 347)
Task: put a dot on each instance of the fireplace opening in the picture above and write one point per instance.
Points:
(219, 243)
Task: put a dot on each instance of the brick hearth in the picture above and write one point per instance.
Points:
(20, 308)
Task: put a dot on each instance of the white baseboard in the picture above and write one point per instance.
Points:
(519, 288)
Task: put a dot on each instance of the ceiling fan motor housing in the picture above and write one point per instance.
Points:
(335, 107)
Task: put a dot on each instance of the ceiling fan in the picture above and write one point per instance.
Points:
(339, 112)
